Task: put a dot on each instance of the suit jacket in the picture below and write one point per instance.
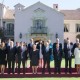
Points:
(58, 54)
(24, 55)
(18, 51)
(66, 51)
(30, 49)
(46, 54)
(10, 52)
(15, 50)
(54, 47)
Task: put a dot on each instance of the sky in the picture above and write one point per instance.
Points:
(63, 4)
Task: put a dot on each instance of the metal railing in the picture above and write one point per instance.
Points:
(39, 30)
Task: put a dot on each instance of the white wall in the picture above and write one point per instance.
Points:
(23, 22)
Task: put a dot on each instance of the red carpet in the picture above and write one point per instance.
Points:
(29, 74)
(28, 70)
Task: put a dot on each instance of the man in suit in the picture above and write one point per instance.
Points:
(46, 57)
(24, 53)
(68, 55)
(18, 52)
(54, 46)
(10, 55)
(57, 58)
(30, 48)
(57, 42)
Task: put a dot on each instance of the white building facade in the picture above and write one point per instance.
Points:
(39, 22)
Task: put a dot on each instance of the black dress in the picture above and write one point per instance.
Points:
(35, 58)
(2, 57)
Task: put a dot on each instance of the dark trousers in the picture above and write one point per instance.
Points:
(68, 62)
(57, 65)
(46, 61)
(9, 65)
(23, 64)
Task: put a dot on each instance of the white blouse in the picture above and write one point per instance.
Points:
(77, 55)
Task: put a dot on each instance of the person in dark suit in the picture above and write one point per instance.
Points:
(68, 56)
(27, 56)
(24, 53)
(18, 52)
(30, 48)
(57, 58)
(15, 52)
(46, 57)
(57, 42)
(34, 59)
(40, 48)
(25, 44)
(54, 47)
(11, 57)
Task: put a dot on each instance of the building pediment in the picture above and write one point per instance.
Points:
(39, 10)
(40, 7)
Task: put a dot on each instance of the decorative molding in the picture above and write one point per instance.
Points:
(39, 10)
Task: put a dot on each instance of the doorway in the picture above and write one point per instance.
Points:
(38, 39)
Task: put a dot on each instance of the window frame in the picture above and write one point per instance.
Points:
(66, 27)
(42, 23)
(77, 28)
(10, 28)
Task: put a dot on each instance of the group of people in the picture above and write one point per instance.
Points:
(9, 54)
(40, 53)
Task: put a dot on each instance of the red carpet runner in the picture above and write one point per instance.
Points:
(29, 74)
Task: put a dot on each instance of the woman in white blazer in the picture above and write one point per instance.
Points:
(77, 58)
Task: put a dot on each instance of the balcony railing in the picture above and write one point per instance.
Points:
(41, 30)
